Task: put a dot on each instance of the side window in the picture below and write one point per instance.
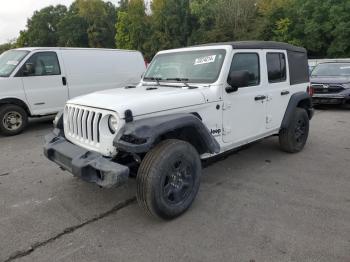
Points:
(42, 64)
(247, 62)
(276, 67)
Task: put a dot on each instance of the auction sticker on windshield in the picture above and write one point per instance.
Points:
(205, 60)
(12, 62)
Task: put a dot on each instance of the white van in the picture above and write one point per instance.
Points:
(38, 81)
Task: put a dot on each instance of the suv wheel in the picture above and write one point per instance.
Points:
(13, 120)
(293, 138)
(168, 179)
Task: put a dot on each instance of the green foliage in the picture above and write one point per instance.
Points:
(323, 27)
(123, 35)
(100, 18)
(72, 29)
(87, 23)
(203, 21)
(43, 27)
(7, 46)
(122, 5)
(222, 20)
(170, 24)
(132, 28)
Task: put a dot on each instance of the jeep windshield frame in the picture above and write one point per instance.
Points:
(193, 66)
(9, 61)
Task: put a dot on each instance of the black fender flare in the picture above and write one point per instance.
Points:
(299, 99)
(140, 136)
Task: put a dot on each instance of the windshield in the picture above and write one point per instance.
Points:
(9, 60)
(332, 69)
(190, 66)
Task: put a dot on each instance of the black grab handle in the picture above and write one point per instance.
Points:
(258, 98)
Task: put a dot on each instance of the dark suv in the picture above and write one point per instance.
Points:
(331, 83)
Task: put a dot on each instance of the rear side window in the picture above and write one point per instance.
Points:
(276, 67)
(44, 64)
(247, 62)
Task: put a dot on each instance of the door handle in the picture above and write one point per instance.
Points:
(284, 93)
(258, 98)
(64, 80)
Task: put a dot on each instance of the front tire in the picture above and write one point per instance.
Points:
(293, 138)
(168, 179)
(13, 120)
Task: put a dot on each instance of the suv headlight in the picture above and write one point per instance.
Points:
(113, 124)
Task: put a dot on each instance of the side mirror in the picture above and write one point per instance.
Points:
(28, 69)
(237, 79)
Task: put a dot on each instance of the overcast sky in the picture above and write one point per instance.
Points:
(14, 15)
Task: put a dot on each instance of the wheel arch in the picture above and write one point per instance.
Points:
(15, 101)
(301, 100)
(141, 135)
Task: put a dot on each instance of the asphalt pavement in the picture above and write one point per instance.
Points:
(258, 204)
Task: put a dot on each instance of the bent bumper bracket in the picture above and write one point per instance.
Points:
(89, 166)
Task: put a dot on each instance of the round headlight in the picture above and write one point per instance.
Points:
(113, 124)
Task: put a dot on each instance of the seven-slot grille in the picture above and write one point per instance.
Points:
(83, 123)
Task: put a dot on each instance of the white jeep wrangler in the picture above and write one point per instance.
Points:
(192, 103)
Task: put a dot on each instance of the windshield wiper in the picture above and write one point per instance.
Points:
(178, 79)
(182, 80)
(157, 79)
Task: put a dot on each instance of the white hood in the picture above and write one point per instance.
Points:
(140, 100)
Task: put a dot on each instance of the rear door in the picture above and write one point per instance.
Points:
(45, 86)
(245, 110)
(278, 87)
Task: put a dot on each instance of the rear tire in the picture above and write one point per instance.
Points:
(293, 138)
(168, 179)
(13, 120)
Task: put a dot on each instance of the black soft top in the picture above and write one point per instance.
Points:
(297, 56)
(260, 45)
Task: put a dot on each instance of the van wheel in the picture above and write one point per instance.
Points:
(293, 138)
(168, 179)
(13, 120)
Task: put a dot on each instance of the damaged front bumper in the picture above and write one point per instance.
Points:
(89, 166)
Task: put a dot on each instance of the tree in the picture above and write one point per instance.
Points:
(100, 18)
(122, 37)
(323, 27)
(132, 27)
(170, 24)
(7, 46)
(42, 27)
(72, 29)
(340, 15)
(122, 5)
(203, 21)
(236, 18)
(222, 20)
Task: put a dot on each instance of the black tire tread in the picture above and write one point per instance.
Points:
(145, 170)
(6, 107)
(285, 137)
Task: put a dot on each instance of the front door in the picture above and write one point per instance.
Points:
(44, 85)
(244, 112)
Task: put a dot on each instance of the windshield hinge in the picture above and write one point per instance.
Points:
(227, 130)
(226, 105)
